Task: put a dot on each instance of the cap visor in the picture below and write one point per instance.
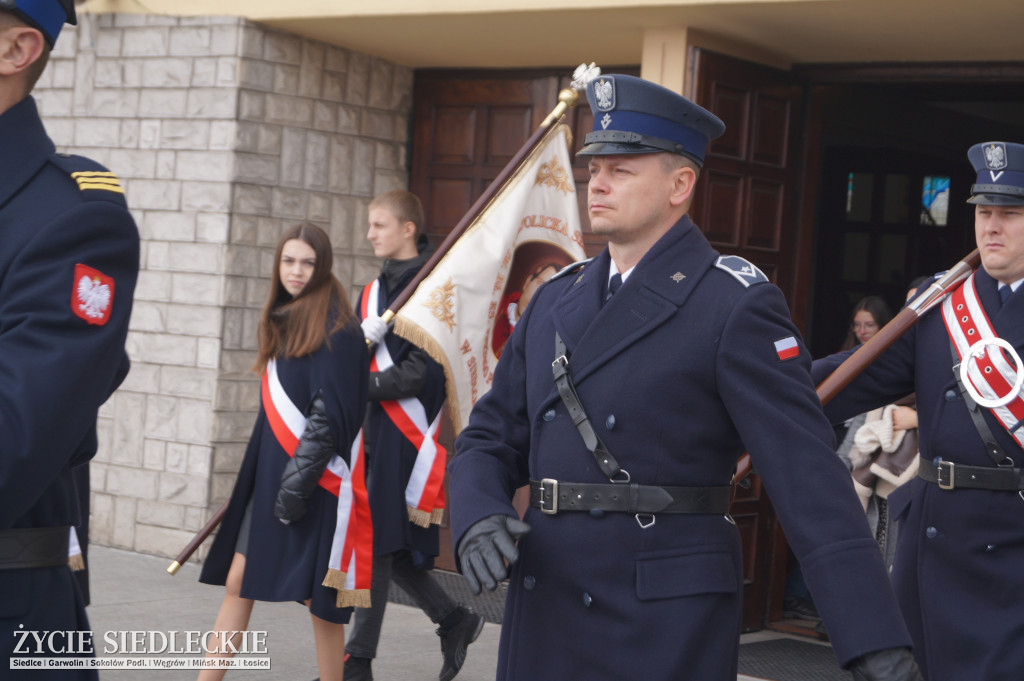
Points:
(609, 149)
(996, 200)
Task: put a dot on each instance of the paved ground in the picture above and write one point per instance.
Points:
(132, 592)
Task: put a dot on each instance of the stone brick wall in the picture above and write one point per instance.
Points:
(223, 133)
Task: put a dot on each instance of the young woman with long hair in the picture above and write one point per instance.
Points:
(868, 316)
(297, 526)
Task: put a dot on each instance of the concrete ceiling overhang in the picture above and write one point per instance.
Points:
(528, 33)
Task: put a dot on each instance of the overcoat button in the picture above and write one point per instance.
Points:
(990, 547)
(549, 415)
(529, 582)
(931, 533)
(609, 422)
(587, 600)
(950, 395)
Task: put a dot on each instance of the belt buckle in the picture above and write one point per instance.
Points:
(554, 496)
(951, 470)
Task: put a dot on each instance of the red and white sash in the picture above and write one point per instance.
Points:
(992, 374)
(349, 568)
(424, 493)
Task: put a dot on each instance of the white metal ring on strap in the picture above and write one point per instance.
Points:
(978, 351)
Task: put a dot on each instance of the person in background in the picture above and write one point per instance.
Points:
(300, 496)
(881, 452)
(69, 259)
(868, 316)
(402, 423)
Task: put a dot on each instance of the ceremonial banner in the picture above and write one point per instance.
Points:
(463, 312)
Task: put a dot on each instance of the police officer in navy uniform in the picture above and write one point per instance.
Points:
(624, 397)
(69, 257)
(959, 562)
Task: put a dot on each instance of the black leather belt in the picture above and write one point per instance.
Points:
(949, 475)
(553, 496)
(34, 547)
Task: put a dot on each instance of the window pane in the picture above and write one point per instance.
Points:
(855, 256)
(859, 190)
(935, 201)
(897, 199)
(893, 258)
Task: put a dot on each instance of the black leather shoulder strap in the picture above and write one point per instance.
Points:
(560, 368)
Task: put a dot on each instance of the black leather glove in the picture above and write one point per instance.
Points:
(486, 546)
(891, 664)
(302, 472)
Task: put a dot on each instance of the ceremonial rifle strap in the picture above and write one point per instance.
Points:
(563, 381)
(992, 448)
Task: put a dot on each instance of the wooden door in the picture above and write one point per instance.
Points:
(748, 205)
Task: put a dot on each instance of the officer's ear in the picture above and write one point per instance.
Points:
(684, 178)
(20, 47)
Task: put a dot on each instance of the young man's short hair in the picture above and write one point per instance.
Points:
(403, 205)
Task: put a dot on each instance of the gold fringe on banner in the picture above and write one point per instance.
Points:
(424, 518)
(356, 598)
(413, 333)
(76, 562)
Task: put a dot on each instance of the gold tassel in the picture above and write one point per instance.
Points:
(357, 598)
(418, 517)
(360, 598)
(76, 562)
(425, 518)
(335, 579)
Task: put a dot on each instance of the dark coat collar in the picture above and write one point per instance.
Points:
(25, 146)
(660, 284)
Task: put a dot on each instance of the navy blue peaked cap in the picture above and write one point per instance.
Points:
(635, 116)
(46, 15)
(1000, 168)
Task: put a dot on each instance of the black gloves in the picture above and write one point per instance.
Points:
(892, 664)
(486, 546)
(302, 473)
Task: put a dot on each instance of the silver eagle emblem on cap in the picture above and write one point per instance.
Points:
(604, 91)
(995, 156)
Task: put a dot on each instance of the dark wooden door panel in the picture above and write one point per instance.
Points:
(749, 204)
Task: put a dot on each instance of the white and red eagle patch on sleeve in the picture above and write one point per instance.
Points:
(92, 295)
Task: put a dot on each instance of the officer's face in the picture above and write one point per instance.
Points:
(387, 235)
(630, 196)
(999, 231)
(298, 261)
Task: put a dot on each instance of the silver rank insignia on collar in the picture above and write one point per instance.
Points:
(678, 277)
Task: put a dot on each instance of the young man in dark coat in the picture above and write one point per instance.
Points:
(624, 397)
(405, 460)
(961, 533)
(69, 258)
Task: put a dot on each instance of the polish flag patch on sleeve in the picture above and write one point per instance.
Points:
(92, 295)
(787, 348)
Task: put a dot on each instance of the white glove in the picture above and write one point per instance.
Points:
(374, 329)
